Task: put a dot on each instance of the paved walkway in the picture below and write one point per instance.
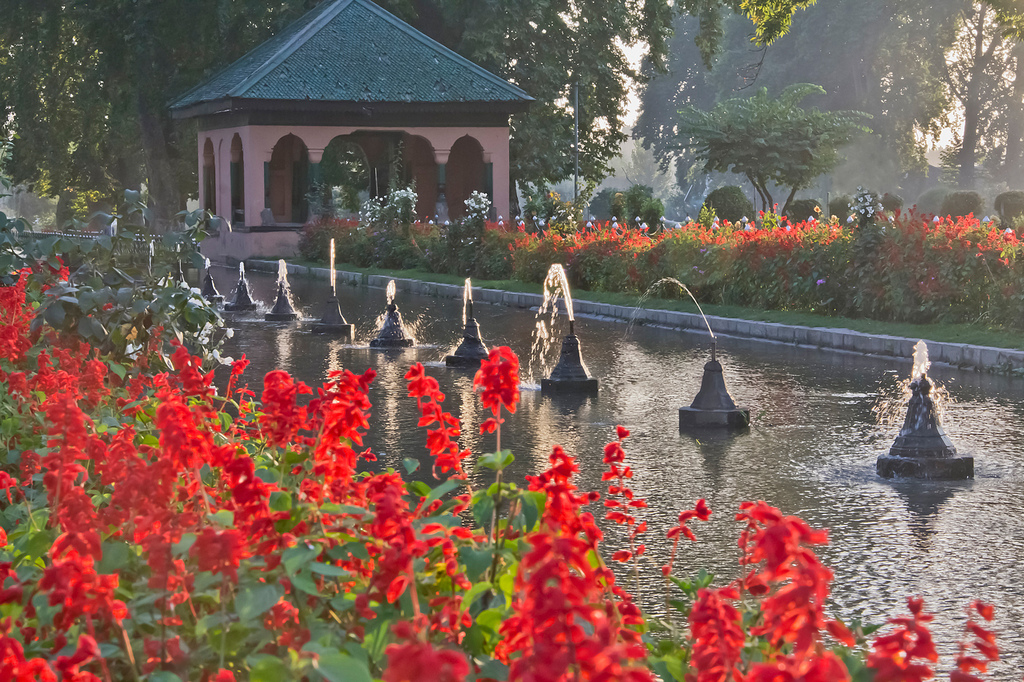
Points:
(980, 358)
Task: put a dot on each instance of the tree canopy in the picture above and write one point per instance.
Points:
(770, 140)
(84, 86)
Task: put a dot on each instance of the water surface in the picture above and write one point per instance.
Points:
(810, 451)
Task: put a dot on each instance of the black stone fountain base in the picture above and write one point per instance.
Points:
(692, 418)
(392, 343)
(928, 468)
(471, 351)
(713, 407)
(570, 375)
(392, 332)
(922, 449)
(333, 322)
(282, 310)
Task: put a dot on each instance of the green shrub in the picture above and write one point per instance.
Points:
(963, 203)
(638, 201)
(839, 206)
(802, 209)
(892, 202)
(730, 203)
(931, 200)
(1010, 206)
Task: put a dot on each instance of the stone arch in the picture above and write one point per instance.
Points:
(209, 177)
(288, 175)
(344, 173)
(237, 180)
(464, 173)
(421, 170)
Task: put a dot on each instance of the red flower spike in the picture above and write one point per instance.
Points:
(498, 380)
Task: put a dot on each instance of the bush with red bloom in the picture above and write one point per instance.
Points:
(904, 654)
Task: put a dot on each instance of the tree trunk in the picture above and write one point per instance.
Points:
(785, 207)
(972, 101)
(164, 195)
(1013, 163)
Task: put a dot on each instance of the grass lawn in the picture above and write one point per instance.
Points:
(976, 334)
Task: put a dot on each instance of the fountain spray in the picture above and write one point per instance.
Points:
(392, 333)
(922, 449)
(333, 321)
(283, 310)
(210, 292)
(472, 349)
(242, 301)
(570, 375)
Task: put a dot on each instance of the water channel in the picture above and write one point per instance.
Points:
(811, 449)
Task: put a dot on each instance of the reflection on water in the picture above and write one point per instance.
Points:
(811, 449)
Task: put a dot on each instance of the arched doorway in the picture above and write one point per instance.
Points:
(421, 170)
(464, 174)
(237, 180)
(209, 178)
(289, 180)
(344, 177)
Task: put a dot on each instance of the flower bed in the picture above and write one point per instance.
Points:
(157, 528)
(902, 267)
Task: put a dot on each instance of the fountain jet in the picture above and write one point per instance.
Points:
(242, 301)
(333, 322)
(472, 349)
(210, 292)
(283, 310)
(570, 375)
(922, 449)
(392, 333)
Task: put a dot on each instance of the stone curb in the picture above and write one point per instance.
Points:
(962, 355)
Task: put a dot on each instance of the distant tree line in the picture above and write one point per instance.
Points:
(916, 67)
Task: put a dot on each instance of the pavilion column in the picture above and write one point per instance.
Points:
(496, 165)
(441, 159)
(255, 160)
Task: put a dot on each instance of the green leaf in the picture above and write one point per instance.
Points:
(490, 619)
(410, 464)
(337, 666)
(116, 556)
(477, 561)
(163, 676)
(328, 569)
(304, 583)
(267, 668)
(496, 460)
(255, 600)
(298, 556)
(446, 487)
(280, 501)
(475, 592)
(223, 518)
(483, 506)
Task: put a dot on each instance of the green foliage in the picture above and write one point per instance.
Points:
(706, 217)
(957, 204)
(730, 203)
(638, 202)
(1009, 205)
(839, 206)
(892, 202)
(802, 209)
(931, 200)
(769, 140)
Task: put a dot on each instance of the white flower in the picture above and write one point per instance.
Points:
(1008, 231)
(935, 219)
(986, 219)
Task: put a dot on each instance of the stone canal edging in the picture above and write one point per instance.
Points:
(979, 358)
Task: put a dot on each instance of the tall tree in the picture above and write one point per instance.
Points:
(85, 85)
(770, 141)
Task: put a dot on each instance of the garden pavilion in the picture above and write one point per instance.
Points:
(354, 81)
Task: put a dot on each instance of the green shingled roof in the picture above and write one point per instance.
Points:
(353, 51)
